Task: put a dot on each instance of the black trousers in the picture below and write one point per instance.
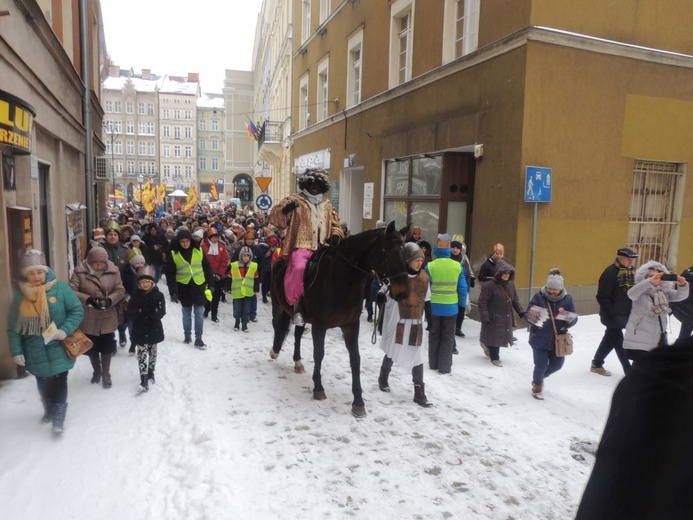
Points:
(612, 340)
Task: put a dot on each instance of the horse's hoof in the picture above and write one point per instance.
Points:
(358, 411)
(273, 354)
(298, 368)
(319, 395)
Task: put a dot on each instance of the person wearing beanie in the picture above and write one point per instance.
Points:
(129, 277)
(497, 300)
(99, 286)
(118, 254)
(448, 289)
(248, 240)
(156, 247)
(458, 253)
(137, 244)
(245, 284)
(98, 237)
(542, 336)
(146, 310)
(218, 257)
(190, 280)
(199, 235)
(29, 317)
(403, 334)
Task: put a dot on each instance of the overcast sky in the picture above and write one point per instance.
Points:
(181, 36)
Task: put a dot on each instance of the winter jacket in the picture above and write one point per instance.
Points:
(614, 303)
(118, 254)
(189, 294)
(487, 270)
(683, 310)
(543, 337)
(129, 278)
(146, 311)
(107, 284)
(443, 271)
(643, 330)
(66, 311)
(219, 262)
(496, 303)
(157, 247)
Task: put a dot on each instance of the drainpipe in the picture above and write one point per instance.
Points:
(86, 113)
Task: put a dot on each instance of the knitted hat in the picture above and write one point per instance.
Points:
(137, 259)
(443, 240)
(456, 243)
(99, 234)
(146, 273)
(412, 252)
(97, 254)
(199, 233)
(245, 251)
(228, 233)
(555, 280)
(34, 259)
(135, 238)
(380, 224)
(184, 233)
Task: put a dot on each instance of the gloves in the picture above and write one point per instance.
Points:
(208, 295)
(333, 240)
(174, 298)
(521, 315)
(60, 335)
(19, 360)
(288, 208)
(106, 303)
(380, 297)
(91, 302)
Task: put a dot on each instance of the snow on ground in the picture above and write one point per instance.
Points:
(227, 433)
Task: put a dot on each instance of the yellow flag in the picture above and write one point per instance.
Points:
(162, 193)
(215, 193)
(191, 201)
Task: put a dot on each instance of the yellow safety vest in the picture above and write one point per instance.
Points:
(185, 271)
(242, 287)
(444, 278)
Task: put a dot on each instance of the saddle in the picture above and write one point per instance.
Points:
(311, 272)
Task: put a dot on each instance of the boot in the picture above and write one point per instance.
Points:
(298, 316)
(58, 411)
(96, 365)
(200, 344)
(46, 411)
(150, 375)
(144, 383)
(420, 396)
(237, 326)
(106, 370)
(537, 392)
(187, 340)
(382, 381)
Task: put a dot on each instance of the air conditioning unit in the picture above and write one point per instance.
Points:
(102, 169)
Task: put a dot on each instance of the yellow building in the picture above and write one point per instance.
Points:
(431, 111)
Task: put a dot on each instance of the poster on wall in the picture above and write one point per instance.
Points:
(9, 177)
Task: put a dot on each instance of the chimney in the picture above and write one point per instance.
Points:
(146, 73)
(114, 71)
(193, 77)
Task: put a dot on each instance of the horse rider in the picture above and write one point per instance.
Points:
(310, 221)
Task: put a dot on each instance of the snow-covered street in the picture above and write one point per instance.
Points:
(228, 433)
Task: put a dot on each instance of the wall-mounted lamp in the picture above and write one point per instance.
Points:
(478, 150)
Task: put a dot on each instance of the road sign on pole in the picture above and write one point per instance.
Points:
(263, 202)
(538, 184)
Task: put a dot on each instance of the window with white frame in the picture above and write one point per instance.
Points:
(177, 151)
(141, 109)
(176, 132)
(202, 124)
(215, 163)
(176, 171)
(150, 109)
(130, 147)
(141, 128)
(108, 106)
(215, 144)
(323, 90)
(176, 114)
(166, 150)
(188, 152)
(130, 127)
(188, 172)
(401, 41)
(303, 113)
(117, 107)
(203, 144)
(142, 167)
(324, 10)
(167, 170)
(150, 128)
(118, 148)
(188, 132)
(355, 46)
(215, 125)
(118, 127)
(129, 107)
(119, 167)
(151, 167)
(305, 20)
(130, 166)
(655, 210)
(165, 113)
(188, 115)
(142, 148)
(166, 131)
(150, 148)
(203, 163)
(466, 27)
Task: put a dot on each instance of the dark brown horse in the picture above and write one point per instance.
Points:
(333, 297)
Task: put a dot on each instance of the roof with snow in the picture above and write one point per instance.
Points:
(139, 84)
(179, 85)
(209, 100)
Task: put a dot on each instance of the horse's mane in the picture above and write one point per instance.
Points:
(358, 244)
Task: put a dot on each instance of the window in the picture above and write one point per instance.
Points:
(130, 127)
(118, 127)
(215, 144)
(130, 147)
(324, 10)
(167, 170)
(166, 114)
(151, 168)
(215, 163)
(119, 167)
(401, 40)
(188, 132)
(108, 106)
(150, 109)
(176, 171)
(305, 20)
(166, 131)
(150, 148)
(176, 151)
(188, 172)
(118, 148)
(142, 148)
(117, 107)
(130, 167)
(215, 125)
(141, 108)
(150, 128)
(202, 124)
(203, 144)
(188, 152)
(176, 114)
(176, 132)
(303, 114)
(323, 97)
(129, 107)
(166, 150)
(466, 27)
(203, 163)
(354, 70)
(143, 168)
(141, 128)
(655, 210)
(188, 115)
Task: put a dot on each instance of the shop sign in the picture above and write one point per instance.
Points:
(16, 123)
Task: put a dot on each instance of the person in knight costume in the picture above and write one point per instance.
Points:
(310, 221)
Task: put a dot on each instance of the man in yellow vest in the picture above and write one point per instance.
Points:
(245, 284)
(189, 277)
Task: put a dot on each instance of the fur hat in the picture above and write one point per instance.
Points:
(184, 233)
(245, 251)
(137, 259)
(34, 259)
(555, 280)
(98, 234)
(97, 254)
(412, 251)
(146, 272)
(317, 177)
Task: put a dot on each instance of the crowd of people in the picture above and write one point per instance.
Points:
(213, 255)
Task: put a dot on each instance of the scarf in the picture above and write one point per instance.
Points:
(213, 249)
(314, 199)
(625, 277)
(550, 297)
(34, 317)
(660, 304)
(317, 217)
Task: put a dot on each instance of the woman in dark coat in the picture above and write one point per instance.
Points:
(553, 297)
(497, 300)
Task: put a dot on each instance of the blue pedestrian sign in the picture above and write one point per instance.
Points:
(538, 184)
(263, 202)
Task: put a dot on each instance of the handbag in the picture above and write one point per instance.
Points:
(76, 344)
(563, 342)
(122, 308)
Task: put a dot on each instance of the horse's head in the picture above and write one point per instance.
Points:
(394, 266)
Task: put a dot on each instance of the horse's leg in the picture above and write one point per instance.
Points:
(281, 326)
(351, 338)
(298, 364)
(318, 355)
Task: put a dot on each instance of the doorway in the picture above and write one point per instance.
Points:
(351, 198)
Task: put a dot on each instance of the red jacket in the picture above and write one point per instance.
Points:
(220, 262)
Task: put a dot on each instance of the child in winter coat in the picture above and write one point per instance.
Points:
(147, 308)
(245, 284)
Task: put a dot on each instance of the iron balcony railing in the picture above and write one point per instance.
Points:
(270, 132)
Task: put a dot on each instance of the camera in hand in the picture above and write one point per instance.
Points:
(669, 277)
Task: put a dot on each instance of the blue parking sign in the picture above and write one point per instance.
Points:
(538, 184)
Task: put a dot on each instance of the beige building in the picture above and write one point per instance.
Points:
(178, 131)
(44, 137)
(210, 145)
(432, 112)
(272, 69)
(240, 148)
(131, 131)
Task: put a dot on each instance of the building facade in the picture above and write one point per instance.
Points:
(210, 145)
(431, 112)
(49, 99)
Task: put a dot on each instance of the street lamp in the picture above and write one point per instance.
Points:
(109, 129)
(140, 179)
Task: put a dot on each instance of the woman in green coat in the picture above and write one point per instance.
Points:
(40, 301)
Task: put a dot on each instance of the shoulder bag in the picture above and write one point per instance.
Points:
(76, 344)
(563, 342)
